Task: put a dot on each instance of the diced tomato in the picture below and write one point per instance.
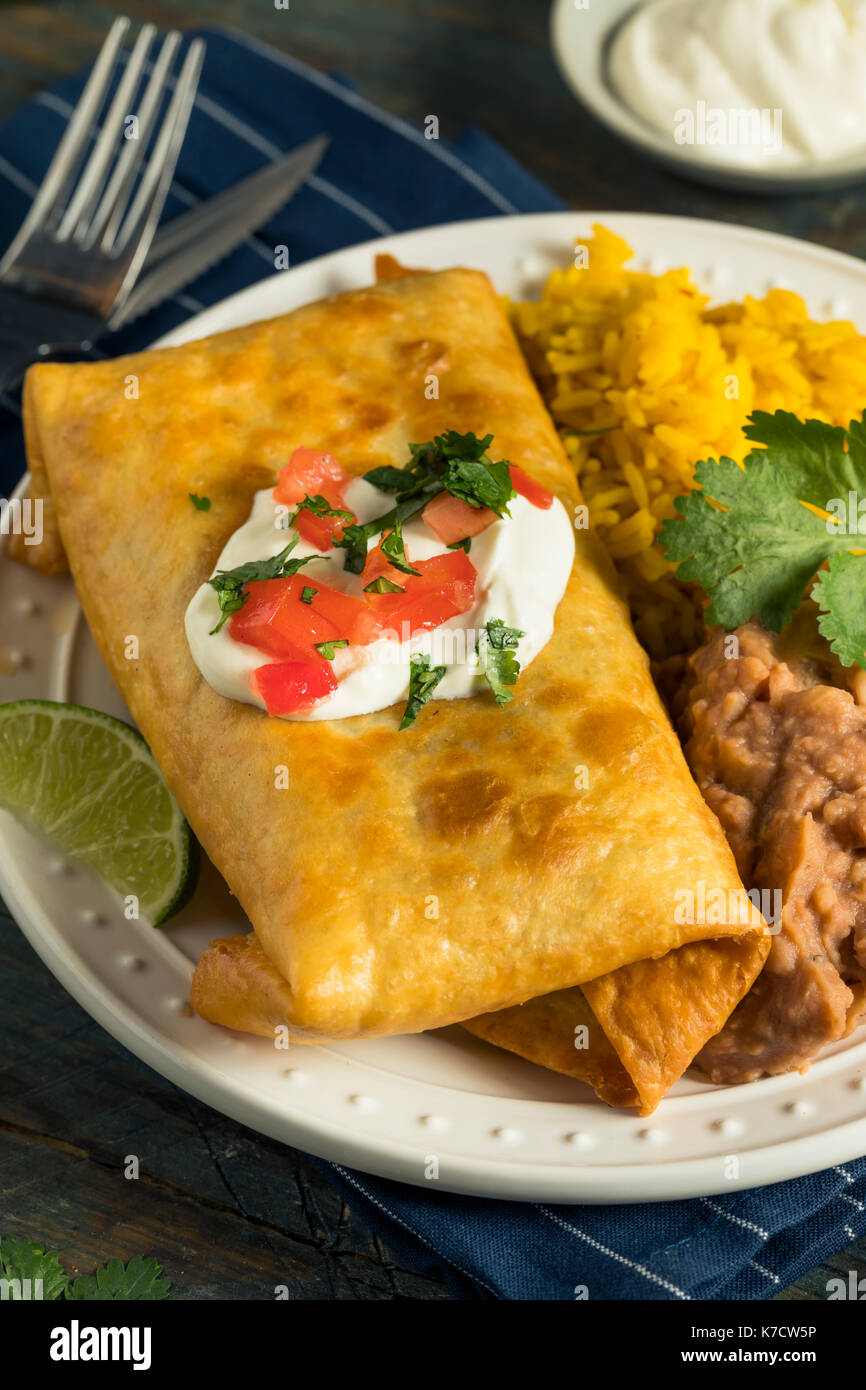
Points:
(309, 471)
(323, 531)
(350, 617)
(312, 473)
(276, 620)
(452, 519)
(444, 588)
(289, 686)
(529, 488)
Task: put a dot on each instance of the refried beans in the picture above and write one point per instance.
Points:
(775, 733)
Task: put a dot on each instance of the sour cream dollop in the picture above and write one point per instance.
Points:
(523, 564)
(748, 82)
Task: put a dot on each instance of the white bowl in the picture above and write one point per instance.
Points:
(581, 39)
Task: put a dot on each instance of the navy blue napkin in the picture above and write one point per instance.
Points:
(381, 175)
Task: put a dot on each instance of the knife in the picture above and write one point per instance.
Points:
(196, 240)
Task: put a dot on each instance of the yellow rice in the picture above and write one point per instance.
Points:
(642, 354)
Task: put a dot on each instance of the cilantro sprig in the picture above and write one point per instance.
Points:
(495, 647)
(201, 504)
(114, 1282)
(758, 549)
(422, 683)
(230, 585)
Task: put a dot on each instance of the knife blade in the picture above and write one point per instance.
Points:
(197, 239)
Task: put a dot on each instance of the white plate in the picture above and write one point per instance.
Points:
(580, 33)
(497, 1125)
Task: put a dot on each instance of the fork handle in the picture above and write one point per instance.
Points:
(33, 328)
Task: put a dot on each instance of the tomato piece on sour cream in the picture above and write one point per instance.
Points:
(277, 621)
(289, 686)
(312, 473)
(443, 588)
(452, 519)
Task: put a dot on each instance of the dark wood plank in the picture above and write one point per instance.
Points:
(227, 1213)
(71, 1100)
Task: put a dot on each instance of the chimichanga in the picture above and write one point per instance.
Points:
(555, 837)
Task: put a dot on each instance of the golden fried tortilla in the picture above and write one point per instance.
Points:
(631, 1034)
(403, 880)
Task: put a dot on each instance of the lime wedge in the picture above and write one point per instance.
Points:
(91, 785)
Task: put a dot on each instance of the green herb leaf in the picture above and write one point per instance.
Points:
(326, 649)
(465, 544)
(319, 506)
(453, 445)
(22, 1259)
(422, 683)
(499, 666)
(840, 593)
(383, 586)
(758, 556)
(480, 484)
(308, 594)
(119, 1283)
(388, 479)
(452, 461)
(201, 504)
(229, 584)
(393, 550)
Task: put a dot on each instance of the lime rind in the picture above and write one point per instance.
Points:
(90, 784)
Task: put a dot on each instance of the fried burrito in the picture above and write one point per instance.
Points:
(516, 839)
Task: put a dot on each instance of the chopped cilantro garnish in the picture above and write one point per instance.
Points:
(393, 550)
(388, 479)
(308, 594)
(465, 544)
(455, 463)
(422, 683)
(757, 551)
(481, 484)
(229, 584)
(355, 538)
(452, 462)
(499, 666)
(319, 506)
(383, 586)
(326, 649)
(201, 504)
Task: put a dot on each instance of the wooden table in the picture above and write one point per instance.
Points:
(229, 1214)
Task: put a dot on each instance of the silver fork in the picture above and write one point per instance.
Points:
(83, 242)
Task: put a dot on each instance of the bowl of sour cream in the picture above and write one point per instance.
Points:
(756, 94)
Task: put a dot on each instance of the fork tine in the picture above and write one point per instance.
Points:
(141, 220)
(110, 212)
(69, 151)
(91, 181)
